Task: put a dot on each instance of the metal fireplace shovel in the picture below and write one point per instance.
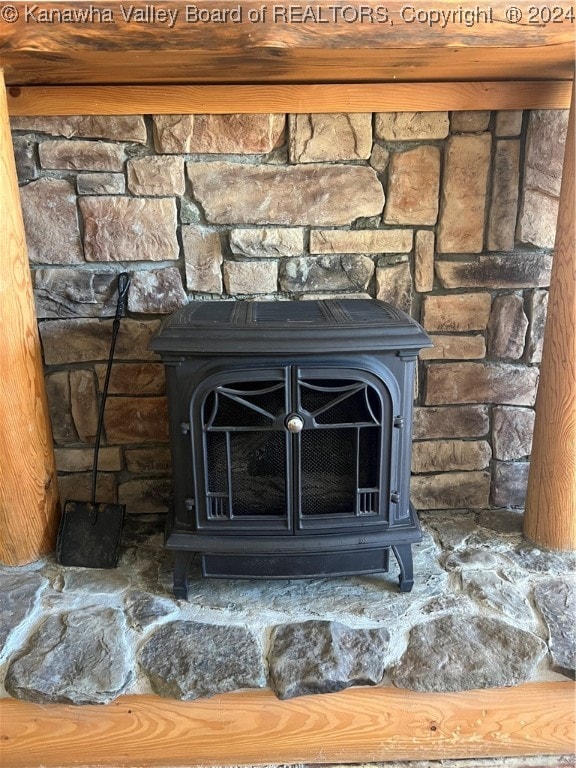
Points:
(89, 533)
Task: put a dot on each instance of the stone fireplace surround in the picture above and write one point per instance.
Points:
(451, 216)
(476, 279)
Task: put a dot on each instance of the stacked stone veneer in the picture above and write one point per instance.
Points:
(450, 216)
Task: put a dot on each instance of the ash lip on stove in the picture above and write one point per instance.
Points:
(290, 433)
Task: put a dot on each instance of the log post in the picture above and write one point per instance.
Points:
(29, 507)
(550, 517)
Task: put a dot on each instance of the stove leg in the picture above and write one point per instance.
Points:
(403, 553)
(182, 561)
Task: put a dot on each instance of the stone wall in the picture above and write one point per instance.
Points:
(450, 216)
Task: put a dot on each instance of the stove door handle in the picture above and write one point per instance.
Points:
(294, 423)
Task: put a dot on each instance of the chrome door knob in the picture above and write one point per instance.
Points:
(294, 423)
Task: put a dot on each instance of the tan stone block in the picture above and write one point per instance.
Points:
(60, 406)
(326, 273)
(461, 226)
(413, 182)
(504, 202)
(406, 126)
(160, 176)
(510, 483)
(235, 193)
(142, 461)
(267, 242)
(361, 241)
(457, 312)
(326, 137)
(512, 430)
(62, 154)
(450, 422)
(538, 217)
(451, 490)
(51, 222)
(455, 348)
(80, 341)
(82, 459)
(513, 270)
(507, 327)
(250, 277)
(203, 257)
(379, 158)
(449, 455)
(114, 127)
(133, 378)
(136, 420)
(156, 291)
(509, 122)
(78, 487)
(538, 310)
(129, 229)
(394, 285)
(501, 383)
(424, 261)
(84, 404)
(469, 121)
(545, 142)
(216, 134)
(149, 496)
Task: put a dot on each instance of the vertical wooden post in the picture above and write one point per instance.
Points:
(550, 517)
(28, 489)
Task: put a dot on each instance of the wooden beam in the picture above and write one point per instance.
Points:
(214, 99)
(103, 42)
(550, 517)
(28, 488)
(361, 724)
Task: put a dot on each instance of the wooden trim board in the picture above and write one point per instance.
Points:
(225, 99)
(360, 724)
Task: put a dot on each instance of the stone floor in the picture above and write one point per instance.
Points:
(487, 610)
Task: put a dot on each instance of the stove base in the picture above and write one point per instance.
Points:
(304, 556)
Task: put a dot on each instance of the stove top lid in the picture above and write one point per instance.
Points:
(269, 327)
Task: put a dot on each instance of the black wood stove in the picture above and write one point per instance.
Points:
(290, 429)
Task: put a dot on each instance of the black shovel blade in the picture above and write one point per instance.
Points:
(89, 534)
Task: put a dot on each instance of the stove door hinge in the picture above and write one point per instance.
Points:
(399, 422)
(395, 497)
(189, 504)
(185, 428)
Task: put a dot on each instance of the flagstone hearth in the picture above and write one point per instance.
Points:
(487, 610)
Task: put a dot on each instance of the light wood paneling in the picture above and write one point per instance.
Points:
(28, 488)
(361, 724)
(550, 519)
(425, 97)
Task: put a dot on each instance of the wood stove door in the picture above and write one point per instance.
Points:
(344, 452)
(242, 453)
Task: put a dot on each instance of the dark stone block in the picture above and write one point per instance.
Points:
(325, 656)
(460, 652)
(81, 657)
(188, 660)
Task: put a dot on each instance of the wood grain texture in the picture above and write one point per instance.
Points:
(550, 517)
(361, 724)
(222, 99)
(28, 489)
(281, 65)
(333, 46)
